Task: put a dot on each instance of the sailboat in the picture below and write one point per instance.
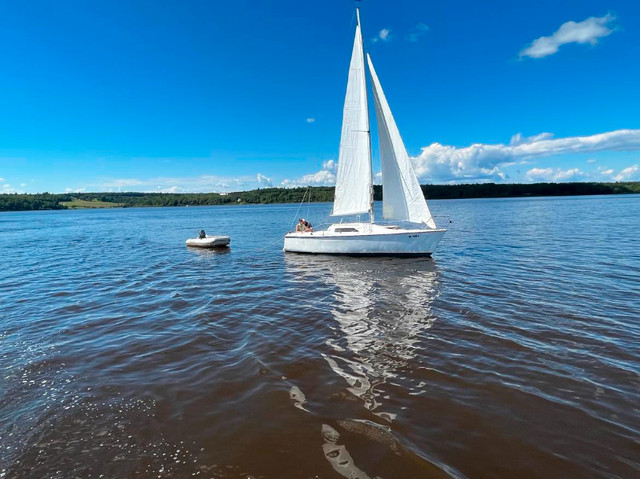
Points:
(408, 228)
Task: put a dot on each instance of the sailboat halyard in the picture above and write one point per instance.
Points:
(403, 200)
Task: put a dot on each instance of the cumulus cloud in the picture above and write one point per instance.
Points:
(557, 174)
(263, 180)
(586, 31)
(628, 174)
(330, 165)
(383, 35)
(2, 180)
(310, 120)
(482, 162)
(325, 177)
(540, 173)
(417, 32)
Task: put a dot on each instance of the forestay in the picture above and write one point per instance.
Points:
(402, 196)
(353, 182)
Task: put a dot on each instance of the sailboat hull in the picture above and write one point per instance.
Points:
(377, 241)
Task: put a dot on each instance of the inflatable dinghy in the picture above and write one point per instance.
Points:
(209, 242)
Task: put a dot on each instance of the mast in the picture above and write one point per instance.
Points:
(354, 192)
(371, 217)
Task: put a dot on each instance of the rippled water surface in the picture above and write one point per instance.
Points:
(514, 352)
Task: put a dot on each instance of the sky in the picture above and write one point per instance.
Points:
(201, 96)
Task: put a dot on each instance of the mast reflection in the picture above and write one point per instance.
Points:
(381, 307)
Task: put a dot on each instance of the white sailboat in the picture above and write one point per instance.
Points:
(409, 228)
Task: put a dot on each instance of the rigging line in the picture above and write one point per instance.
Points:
(270, 244)
(300, 206)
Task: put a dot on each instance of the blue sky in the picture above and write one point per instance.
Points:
(231, 95)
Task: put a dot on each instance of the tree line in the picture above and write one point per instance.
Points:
(49, 201)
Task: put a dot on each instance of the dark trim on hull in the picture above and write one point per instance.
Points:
(365, 255)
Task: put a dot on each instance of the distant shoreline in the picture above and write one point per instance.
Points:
(314, 194)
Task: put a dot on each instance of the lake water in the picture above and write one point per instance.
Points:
(514, 352)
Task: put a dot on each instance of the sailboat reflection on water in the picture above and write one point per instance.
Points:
(382, 309)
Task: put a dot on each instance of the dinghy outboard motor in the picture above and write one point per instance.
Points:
(202, 234)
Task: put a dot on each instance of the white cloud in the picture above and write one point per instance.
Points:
(310, 120)
(321, 178)
(325, 177)
(417, 32)
(591, 161)
(482, 162)
(123, 182)
(171, 189)
(263, 180)
(519, 139)
(23, 185)
(587, 31)
(572, 174)
(2, 180)
(74, 190)
(628, 174)
(330, 165)
(558, 174)
(540, 173)
(198, 184)
(6, 189)
(383, 35)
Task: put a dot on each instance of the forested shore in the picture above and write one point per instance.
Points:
(50, 201)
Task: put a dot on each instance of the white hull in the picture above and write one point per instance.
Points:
(366, 240)
(209, 242)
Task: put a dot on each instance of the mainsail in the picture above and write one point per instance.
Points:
(402, 196)
(353, 182)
